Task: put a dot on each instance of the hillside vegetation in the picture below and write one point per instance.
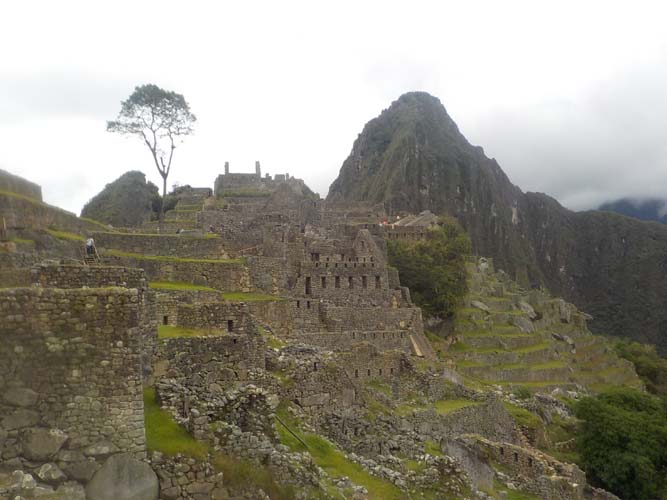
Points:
(433, 268)
(128, 201)
(413, 157)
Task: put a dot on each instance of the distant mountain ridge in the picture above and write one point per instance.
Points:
(413, 157)
(651, 209)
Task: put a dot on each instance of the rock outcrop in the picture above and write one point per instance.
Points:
(125, 202)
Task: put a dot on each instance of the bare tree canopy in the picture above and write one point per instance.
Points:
(161, 118)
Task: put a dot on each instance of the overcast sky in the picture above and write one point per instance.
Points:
(569, 97)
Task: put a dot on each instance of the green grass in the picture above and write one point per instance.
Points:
(250, 297)
(447, 406)
(171, 332)
(163, 258)
(64, 235)
(523, 417)
(325, 455)
(432, 448)
(179, 285)
(23, 197)
(163, 434)
(380, 386)
(272, 341)
(23, 241)
(442, 407)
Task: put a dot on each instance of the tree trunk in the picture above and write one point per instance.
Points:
(164, 197)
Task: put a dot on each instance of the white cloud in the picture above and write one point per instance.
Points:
(566, 95)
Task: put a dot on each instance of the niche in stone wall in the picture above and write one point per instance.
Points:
(230, 325)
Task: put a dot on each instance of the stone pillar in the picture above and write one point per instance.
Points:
(258, 170)
(226, 167)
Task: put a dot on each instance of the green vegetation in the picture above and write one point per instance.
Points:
(447, 406)
(622, 441)
(23, 197)
(179, 285)
(64, 235)
(163, 434)
(127, 201)
(650, 366)
(523, 417)
(434, 268)
(432, 448)
(164, 258)
(250, 297)
(330, 459)
(272, 341)
(442, 407)
(170, 332)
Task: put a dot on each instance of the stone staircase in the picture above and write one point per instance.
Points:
(508, 336)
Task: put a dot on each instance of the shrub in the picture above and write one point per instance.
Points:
(434, 268)
(623, 443)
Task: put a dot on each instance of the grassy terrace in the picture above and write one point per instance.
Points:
(231, 296)
(173, 332)
(207, 236)
(37, 202)
(443, 407)
(179, 285)
(163, 434)
(329, 458)
(250, 297)
(64, 235)
(163, 258)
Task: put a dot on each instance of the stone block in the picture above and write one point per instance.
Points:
(20, 396)
(123, 477)
(41, 443)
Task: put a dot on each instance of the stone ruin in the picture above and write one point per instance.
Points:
(293, 302)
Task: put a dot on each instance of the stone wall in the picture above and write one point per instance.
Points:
(268, 274)
(184, 478)
(367, 362)
(68, 276)
(164, 244)
(70, 377)
(226, 276)
(18, 185)
(212, 358)
(276, 315)
(232, 317)
(168, 302)
(337, 341)
(344, 282)
(19, 212)
(373, 318)
(77, 276)
(534, 471)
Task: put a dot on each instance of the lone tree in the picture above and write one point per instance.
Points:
(159, 117)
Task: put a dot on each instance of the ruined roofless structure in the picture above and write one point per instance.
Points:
(286, 320)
